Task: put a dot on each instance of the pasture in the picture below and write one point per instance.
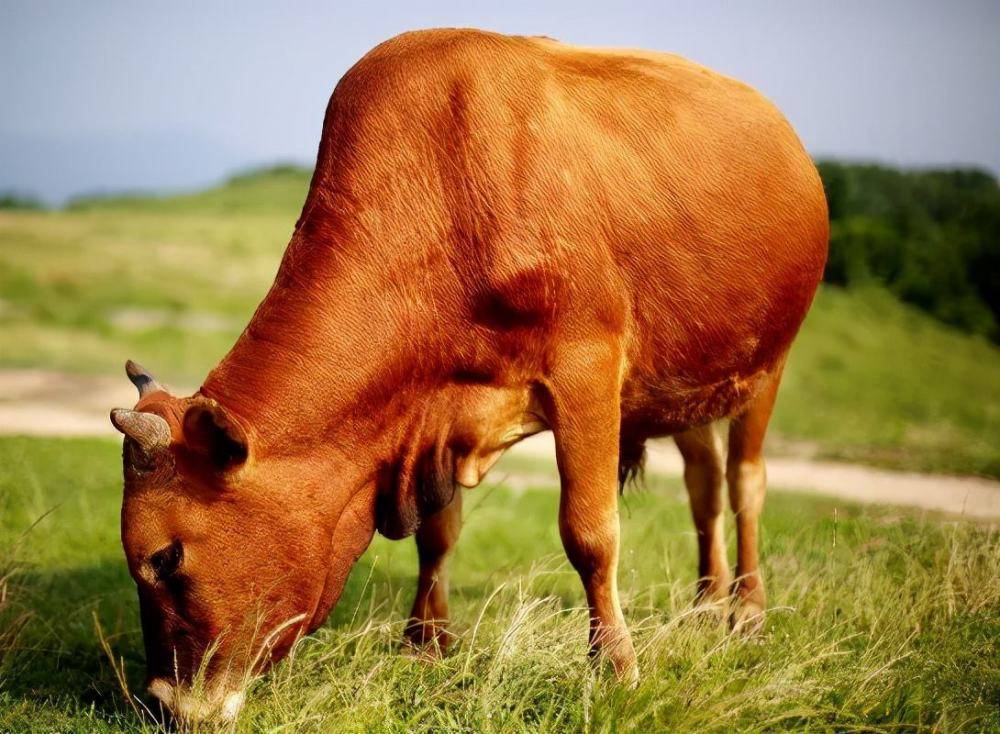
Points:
(882, 619)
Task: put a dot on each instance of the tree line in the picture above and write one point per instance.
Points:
(931, 237)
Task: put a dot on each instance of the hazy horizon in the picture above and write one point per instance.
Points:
(114, 97)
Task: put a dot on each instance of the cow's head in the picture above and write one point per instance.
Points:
(231, 552)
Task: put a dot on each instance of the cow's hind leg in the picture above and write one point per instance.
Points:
(746, 477)
(435, 538)
(703, 476)
(584, 413)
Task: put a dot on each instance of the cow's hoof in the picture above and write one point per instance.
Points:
(629, 676)
(426, 639)
(626, 670)
(713, 590)
(615, 646)
(747, 617)
(712, 607)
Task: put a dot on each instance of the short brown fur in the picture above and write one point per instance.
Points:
(502, 235)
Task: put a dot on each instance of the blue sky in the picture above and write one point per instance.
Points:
(122, 95)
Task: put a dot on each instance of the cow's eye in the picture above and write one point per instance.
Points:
(166, 561)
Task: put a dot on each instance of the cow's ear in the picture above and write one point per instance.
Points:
(413, 490)
(211, 435)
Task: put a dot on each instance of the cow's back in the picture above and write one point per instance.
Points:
(715, 216)
(572, 189)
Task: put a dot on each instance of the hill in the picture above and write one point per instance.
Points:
(275, 190)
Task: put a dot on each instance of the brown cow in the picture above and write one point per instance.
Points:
(503, 235)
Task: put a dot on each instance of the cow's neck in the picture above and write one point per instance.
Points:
(358, 345)
(335, 343)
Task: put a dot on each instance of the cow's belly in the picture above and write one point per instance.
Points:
(671, 407)
(702, 344)
(683, 375)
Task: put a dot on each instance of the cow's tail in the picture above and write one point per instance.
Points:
(631, 464)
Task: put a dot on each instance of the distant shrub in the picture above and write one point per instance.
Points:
(108, 200)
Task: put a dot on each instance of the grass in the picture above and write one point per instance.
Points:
(882, 620)
(873, 380)
(79, 290)
(172, 281)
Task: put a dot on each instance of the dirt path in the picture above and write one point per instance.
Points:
(41, 403)
(970, 496)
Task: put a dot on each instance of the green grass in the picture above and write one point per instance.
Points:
(172, 281)
(873, 380)
(82, 290)
(882, 620)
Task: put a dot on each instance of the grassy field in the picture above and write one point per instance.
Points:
(872, 380)
(171, 282)
(882, 620)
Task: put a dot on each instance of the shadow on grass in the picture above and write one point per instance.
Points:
(56, 662)
(57, 659)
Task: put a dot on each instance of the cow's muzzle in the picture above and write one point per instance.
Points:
(188, 706)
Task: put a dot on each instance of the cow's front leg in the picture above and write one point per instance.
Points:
(585, 415)
(435, 538)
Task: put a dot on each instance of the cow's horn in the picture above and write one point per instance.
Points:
(148, 430)
(144, 382)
